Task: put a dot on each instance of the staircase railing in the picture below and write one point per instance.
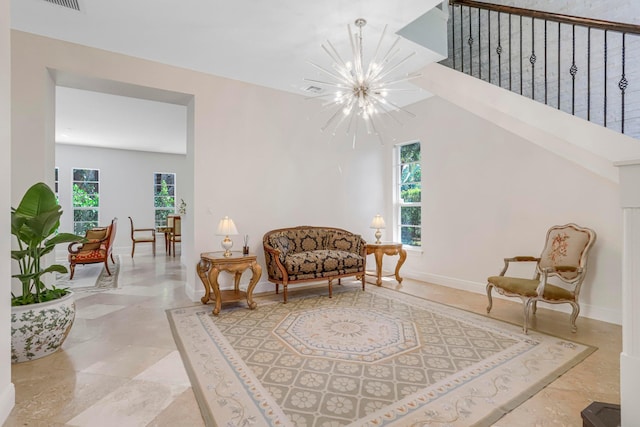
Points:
(582, 66)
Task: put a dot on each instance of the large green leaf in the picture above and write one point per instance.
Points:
(39, 198)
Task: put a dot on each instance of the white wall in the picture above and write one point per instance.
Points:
(255, 154)
(126, 186)
(7, 392)
(490, 194)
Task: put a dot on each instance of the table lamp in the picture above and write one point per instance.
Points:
(226, 228)
(377, 223)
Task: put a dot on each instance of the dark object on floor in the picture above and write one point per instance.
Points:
(600, 414)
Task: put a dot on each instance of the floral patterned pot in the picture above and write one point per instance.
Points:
(40, 329)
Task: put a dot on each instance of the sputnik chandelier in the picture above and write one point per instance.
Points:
(359, 93)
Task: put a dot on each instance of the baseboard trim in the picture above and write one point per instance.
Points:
(7, 402)
(586, 310)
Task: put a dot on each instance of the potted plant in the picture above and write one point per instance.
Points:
(41, 317)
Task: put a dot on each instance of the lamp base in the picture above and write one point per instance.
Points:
(378, 234)
(227, 244)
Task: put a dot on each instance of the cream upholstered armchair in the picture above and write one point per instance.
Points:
(564, 257)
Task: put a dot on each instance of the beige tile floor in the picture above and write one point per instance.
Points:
(120, 367)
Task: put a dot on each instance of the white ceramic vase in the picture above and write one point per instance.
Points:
(40, 329)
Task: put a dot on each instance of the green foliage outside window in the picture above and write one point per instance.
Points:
(86, 199)
(410, 194)
(164, 197)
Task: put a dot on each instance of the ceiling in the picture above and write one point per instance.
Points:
(264, 43)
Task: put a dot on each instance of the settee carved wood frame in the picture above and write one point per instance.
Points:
(277, 272)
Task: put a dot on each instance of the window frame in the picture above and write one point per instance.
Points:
(169, 209)
(87, 224)
(398, 202)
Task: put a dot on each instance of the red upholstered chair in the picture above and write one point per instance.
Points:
(97, 249)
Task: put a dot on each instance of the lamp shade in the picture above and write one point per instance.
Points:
(377, 222)
(226, 227)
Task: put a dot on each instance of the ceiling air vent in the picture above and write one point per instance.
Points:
(313, 89)
(71, 4)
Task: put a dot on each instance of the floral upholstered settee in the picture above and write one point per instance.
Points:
(306, 254)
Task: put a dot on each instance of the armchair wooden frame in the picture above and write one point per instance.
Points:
(570, 270)
(78, 255)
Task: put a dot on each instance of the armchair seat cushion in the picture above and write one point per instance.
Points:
(320, 263)
(84, 256)
(527, 288)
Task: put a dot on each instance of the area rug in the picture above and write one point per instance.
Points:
(91, 277)
(372, 358)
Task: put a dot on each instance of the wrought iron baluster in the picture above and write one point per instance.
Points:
(470, 41)
(521, 69)
(461, 39)
(499, 52)
(532, 60)
(589, 73)
(573, 70)
(479, 47)
(510, 60)
(623, 83)
(453, 35)
(545, 63)
(605, 78)
(489, 42)
(559, 37)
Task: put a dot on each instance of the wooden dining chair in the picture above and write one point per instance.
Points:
(175, 232)
(142, 235)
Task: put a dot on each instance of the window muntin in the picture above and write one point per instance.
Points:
(409, 194)
(164, 196)
(86, 199)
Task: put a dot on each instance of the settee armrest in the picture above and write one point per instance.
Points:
(274, 259)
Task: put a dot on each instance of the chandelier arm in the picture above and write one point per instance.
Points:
(332, 84)
(331, 119)
(384, 65)
(342, 119)
(392, 69)
(377, 51)
(356, 49)
(337, 55)
(385, 58)
(399, 108)
(343, 70)
(377, 132)
(383, 104)
(324, 70)
(396, 81)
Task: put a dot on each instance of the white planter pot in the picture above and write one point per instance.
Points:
(40, 329)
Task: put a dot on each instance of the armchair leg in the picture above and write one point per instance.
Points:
(106, 266)
(574, 316)
(527, 308)
(112, 260)
(489, 289)
(133, 249)
(73, 270)
(284, 286)
(330, 289)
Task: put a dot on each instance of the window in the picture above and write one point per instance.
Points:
(164, 196)
(86, 199)
(409, 194)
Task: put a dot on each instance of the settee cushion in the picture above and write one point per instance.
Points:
(322, 263)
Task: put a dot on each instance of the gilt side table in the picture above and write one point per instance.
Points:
(386, 248)
(210, 266)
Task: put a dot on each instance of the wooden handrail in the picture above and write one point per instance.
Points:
(549, 16)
